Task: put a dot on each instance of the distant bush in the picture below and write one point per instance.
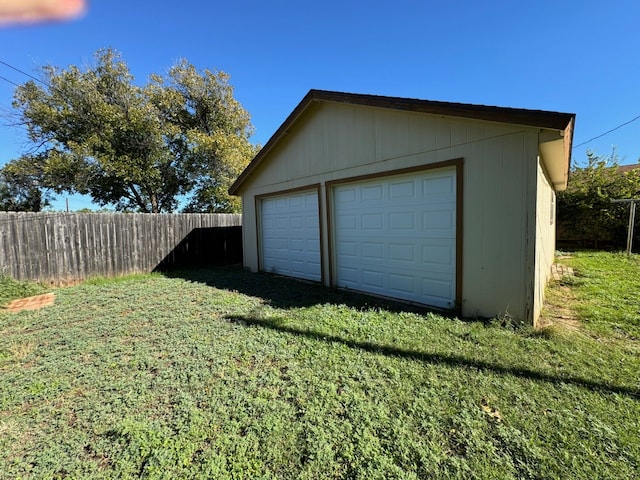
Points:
(585, 212)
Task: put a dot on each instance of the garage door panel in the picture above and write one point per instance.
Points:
(396, 236)
(439, 186)
(436, 255)
(312, 245)
(373, 192)
(346, 196)
(297, 223)
(347, 222)
(372, 221)
(349, 276)
(437, 289)
(399, 252)
(281, 223)
(296, 201)
(373, 278)
(402, 221)
(348, 249)
(439, 221)
(404, 284)
(373, 250)
(404, 189)
(291, 235)
(297, 244)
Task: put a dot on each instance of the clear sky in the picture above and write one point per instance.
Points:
(574, 56)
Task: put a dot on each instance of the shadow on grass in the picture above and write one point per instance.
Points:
(436, 358)
(286, 293)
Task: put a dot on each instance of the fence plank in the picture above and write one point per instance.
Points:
(63, 247)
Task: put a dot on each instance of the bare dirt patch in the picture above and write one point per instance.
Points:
(557, 309)
(32, 303)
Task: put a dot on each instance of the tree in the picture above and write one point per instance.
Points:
(137, 148)
(20, 189)
(585, 210)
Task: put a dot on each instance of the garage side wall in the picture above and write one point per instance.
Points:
(545, 237)
(333, 141)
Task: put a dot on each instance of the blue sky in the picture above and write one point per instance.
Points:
(581, 57)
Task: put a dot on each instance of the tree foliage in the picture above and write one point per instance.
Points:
(20, 188)
(138, 148)
(585, 211)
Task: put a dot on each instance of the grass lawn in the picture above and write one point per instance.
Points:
(606, 290)
(225, 374)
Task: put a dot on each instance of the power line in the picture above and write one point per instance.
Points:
(9, 81)
(24, 73)
(607, 132)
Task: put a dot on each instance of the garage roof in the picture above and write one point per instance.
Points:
(561, 123)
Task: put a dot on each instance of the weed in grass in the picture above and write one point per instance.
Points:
(11, 289)
(506, 320)
(571, 281)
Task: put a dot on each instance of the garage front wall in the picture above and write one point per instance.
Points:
(335, 141)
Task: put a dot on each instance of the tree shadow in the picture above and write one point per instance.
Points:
(436, 358)
(287, 293)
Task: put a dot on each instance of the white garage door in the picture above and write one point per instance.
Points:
(291, 235)
(396, 236)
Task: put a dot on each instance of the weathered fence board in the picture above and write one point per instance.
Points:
(66, 247)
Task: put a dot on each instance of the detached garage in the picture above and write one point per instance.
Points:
(442, 204)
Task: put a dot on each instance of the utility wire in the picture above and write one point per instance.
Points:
(9, 81)
(607, 132)
(24, 73)
(47, 85)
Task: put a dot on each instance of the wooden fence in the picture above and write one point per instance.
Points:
(61, 248)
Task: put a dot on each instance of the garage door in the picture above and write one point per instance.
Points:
(396, 236)
(290, 235)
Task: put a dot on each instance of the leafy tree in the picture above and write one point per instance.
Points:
(137, 147)
(585, 210)
(20, 188)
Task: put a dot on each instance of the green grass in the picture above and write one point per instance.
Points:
(225, 374)
(11, 289)
(607, 289)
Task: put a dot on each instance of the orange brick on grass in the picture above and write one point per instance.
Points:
(32, 303)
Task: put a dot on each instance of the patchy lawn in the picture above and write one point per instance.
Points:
(225, 374)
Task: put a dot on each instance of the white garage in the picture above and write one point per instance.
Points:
(396, 236)
(443, 204)
(290, 235)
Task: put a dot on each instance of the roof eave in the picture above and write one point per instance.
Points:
(555, 151)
